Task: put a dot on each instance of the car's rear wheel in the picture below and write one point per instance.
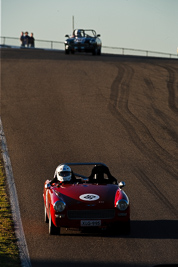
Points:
(53, 230)
(45, 215)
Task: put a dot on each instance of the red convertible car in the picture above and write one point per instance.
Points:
(73, 200)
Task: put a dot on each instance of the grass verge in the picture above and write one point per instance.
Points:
(9, 253)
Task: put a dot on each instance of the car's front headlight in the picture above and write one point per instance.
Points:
(59, 205)
(122, 204)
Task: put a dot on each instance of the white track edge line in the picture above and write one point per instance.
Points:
(19, 232)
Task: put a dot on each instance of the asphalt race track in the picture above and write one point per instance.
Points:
(119, 110)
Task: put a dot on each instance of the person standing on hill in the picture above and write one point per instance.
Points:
(22, 39)
(26, 39)
(31, 40)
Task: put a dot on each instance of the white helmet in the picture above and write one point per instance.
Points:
(63, 173)
(78, 33)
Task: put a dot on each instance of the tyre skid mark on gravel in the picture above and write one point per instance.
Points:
(171, 89)
(165, 125)
(140, 174)
(145, 141)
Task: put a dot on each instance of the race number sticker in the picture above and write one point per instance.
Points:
(89, 197)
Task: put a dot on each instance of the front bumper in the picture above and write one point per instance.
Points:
(79, 47)
(91, 218)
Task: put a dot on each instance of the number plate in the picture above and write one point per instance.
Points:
(89, 223)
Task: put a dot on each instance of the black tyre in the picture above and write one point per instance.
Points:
(99, 52)
(95, 51)
(53, 230)
(66, 51)
(45, 215)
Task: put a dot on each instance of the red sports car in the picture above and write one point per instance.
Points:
(73, 200)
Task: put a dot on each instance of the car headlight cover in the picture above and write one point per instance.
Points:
(59, 205)
(122, 204)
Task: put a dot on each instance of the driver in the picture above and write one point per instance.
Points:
(63, 174)
(78, 33)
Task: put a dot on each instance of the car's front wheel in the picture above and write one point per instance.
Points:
(66, 51)
(45, 215)
(99, 52)
(53, 230)
(96, 51)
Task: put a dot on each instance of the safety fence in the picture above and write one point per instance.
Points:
(57, 45)
(43, 44)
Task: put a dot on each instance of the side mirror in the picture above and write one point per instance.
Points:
(98, 35)
(47, 186)
(67, 35)
(121, 184)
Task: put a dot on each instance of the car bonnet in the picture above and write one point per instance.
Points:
(88, 193)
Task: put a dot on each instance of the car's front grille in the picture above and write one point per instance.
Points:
(91, 214)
